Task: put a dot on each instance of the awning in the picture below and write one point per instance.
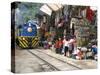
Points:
(48, 8)
(55, 7)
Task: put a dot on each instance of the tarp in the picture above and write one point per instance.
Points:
(55, 7)
(48, 8)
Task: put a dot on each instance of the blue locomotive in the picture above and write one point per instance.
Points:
(27, 36)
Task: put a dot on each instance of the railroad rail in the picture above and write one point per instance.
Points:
(50, 65)
(41, 55)
(60, 60)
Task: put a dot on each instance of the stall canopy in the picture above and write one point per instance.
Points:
(55, 7)
(48, 8)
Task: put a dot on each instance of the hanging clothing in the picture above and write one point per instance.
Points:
(89, 14)
(83, 13)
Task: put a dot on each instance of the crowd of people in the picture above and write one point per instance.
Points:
(68, 47)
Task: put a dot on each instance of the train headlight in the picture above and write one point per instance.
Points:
(23, 38)
(29, 29)
(36, 38)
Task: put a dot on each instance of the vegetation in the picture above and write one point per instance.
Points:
(29, 10)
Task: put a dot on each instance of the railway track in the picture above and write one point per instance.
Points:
(51, 67)
(60, 60)
(56, 63)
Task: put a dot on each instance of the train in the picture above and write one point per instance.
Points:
(27, 35)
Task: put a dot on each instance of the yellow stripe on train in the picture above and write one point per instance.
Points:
(26, 41)
(35, 42)
(23, 42)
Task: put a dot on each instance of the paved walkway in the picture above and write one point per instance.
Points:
(84, 64)
(27, 63)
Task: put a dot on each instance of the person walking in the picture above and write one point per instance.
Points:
(66, 45)
(73, 44)
(64, 39)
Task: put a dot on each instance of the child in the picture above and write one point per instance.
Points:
(79, 54)
(56, 46)
(60, 45)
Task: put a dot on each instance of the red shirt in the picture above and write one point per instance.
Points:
(58, 44)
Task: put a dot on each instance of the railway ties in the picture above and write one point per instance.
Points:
(28, 63)
(54, 62)
(46, 65)
(60, 60)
